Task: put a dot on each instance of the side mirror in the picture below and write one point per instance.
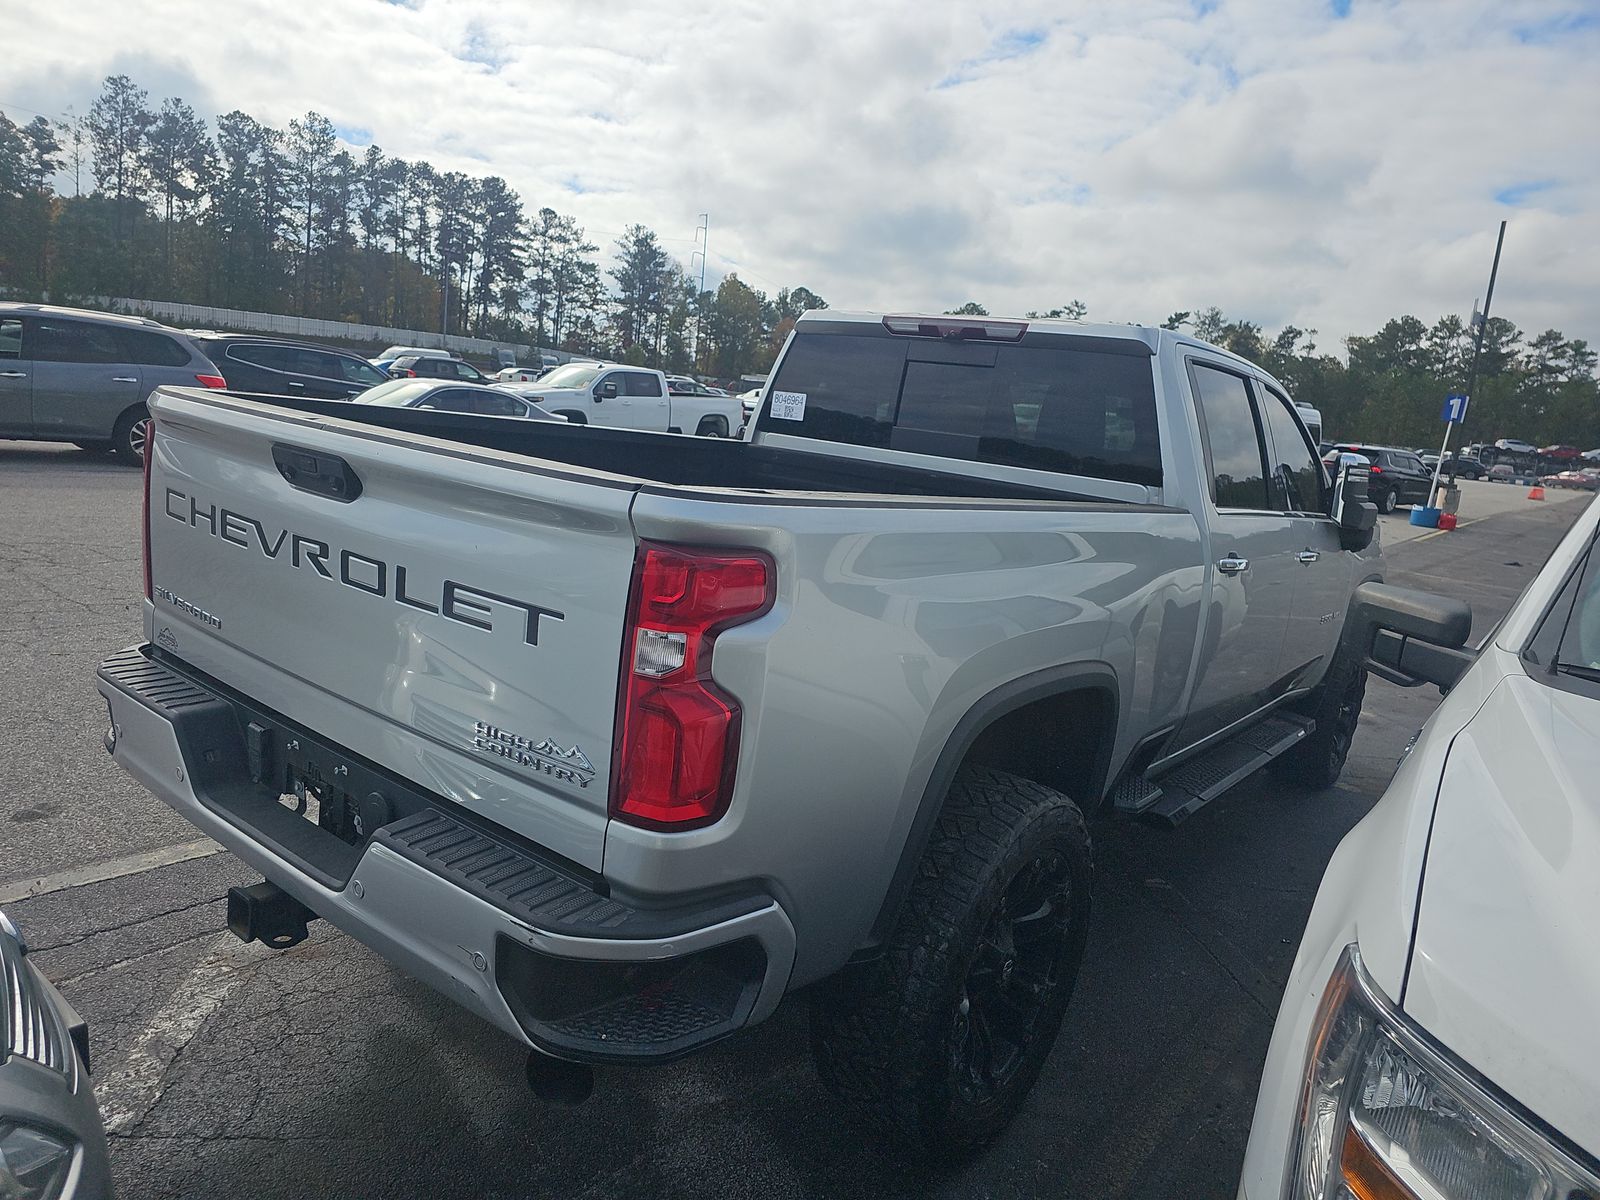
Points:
(606, 391)
(1410, 637)
(1357, 516)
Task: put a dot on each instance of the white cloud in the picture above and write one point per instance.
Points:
(1262, 155)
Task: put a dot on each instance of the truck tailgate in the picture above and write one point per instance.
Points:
(459, 622)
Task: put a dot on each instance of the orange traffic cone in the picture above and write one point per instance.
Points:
(1536, 492)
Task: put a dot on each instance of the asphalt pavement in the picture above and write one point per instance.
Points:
(232, 1070)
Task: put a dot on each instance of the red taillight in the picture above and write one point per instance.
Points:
(1375, 469)
(411, 374)
(149, 453)
(211, 381)
(679, 732)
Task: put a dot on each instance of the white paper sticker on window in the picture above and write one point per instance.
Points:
(789, 406)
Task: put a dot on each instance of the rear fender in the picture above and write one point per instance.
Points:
(1095, 678)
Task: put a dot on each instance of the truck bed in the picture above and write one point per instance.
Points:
(668, 459)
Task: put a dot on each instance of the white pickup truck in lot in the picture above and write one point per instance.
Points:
(1437, 1039)
(617, 740)
(632, 398)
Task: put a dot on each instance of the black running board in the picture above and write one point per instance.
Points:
(1181, 792)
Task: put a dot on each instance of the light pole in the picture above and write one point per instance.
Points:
(1477, 346)
(702, 238)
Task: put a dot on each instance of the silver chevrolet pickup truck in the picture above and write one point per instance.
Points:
(618, 738)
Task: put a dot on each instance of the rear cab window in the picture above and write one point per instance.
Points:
(1080, 406)
(640, 383)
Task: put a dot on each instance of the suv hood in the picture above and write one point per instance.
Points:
(1504, 970)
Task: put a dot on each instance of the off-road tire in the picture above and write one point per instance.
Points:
(127, 439)
(1335, 705)
(893, 1040)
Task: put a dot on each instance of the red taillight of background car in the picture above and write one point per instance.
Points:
(679, 732)
(1375, 469)
(410, 374)
(211, 381)
(149, 453)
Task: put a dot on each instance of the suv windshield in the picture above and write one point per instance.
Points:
(1081, 406)
(571, 377)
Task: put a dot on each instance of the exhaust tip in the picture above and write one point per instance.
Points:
(557, 1081)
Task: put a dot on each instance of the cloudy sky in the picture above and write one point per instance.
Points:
(1326, 163)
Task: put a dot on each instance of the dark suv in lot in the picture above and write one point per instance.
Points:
(418, 366)
(73, 375)
(1398, 476)
(286, 368)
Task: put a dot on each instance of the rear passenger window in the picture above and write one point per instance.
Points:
(11, 338)
(152, 349)
(640, 384)
(491, 405)
(1233, 442)
(1088, 411)
(75, 342)
(1296, 473)
(274, 358)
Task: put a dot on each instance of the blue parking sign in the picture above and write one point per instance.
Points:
(1455, 409)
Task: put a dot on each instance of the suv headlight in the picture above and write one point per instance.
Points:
(1387, 1115)
(33, 1165)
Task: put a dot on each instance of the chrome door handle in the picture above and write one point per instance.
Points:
(1308, 556)
(296, 383)
(13, 374)
(124, 379)
(1233, 565)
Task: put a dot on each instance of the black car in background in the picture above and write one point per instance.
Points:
(278, 367)
(1398, 476)
(416, 366)
(1463, 466)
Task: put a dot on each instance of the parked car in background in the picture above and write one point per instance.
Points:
(1464, 466)
(486, 401)
(1398, 476)
(1502, 473)
(634, 398)
(413, 366)
(394, 352)
(526, 373)
(52, 1143)
(1429, 460)
(1582, 480)
(1560, 453)
(284, 368)
(73, 375)
(1437, 1037)
(1515, 446)
(1311, 418)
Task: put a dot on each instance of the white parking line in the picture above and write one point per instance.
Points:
(113, 868)
(129, 1092)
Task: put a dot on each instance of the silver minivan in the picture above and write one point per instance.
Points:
(72, 375)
